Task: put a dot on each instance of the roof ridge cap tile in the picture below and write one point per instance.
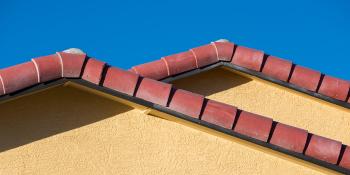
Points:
(72, 64)
(155, 70)
(18, 77)
(48, 67)
(250, 125)
(2, 86)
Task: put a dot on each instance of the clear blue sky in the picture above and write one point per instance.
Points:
(315, 34)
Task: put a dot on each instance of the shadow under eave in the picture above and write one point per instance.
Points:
(50, 112)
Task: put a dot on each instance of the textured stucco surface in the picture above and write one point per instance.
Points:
(282, 104)
(68, 131)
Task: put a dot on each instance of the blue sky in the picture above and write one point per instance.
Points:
(315, 34)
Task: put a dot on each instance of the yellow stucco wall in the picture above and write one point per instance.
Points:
(66, 130)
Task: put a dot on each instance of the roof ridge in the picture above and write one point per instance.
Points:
(262, 130)
(271, 67)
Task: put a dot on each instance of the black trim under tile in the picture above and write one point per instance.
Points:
(33, 89)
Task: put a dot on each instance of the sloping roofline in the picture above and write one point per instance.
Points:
(249, 61)
(63, 67)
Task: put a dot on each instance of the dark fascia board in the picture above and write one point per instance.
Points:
(259, 75)
(176, 114)
(33, 89)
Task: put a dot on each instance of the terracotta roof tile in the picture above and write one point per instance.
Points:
(205, 55)
(306, 78)
(180, 62)
(115, 76)
(289, 137)
(72, 64)
(154, 91)
(219, 114)
(155, 69)
(248, 58)
(19, 77)
(253, 125)
(324, 149)
(93, 70)
(49, 67)
(277, 68)
(187, 103)
(2, 90)
(345, 161)
(224, 50)
(334, 87)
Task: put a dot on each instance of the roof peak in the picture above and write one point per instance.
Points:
(74, 65)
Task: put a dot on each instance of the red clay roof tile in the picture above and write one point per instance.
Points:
(72, 64)
(2, 90)
(49, 67)
(154, 91)
(254, 125)
(93, 70)
(205, 55)
(224, 50)
(277, 68)
(248, 58)
(180, 62)
(305, 77)
(155, 69)
(187, 103)
(324, 149)
(289, 137)
(121, 80)
(345, 161)
(219, 114)
(19, 77)
(334, 87)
